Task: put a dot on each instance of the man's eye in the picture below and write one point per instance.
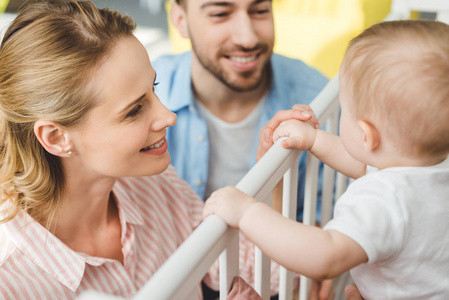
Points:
(136, 111)
(219, 14)
(261, 11)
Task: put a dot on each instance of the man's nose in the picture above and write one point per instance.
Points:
(243, 32)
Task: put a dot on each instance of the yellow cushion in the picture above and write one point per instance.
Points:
(316, 31)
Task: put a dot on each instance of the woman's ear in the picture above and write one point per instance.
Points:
(179, 19)
(52, 137)
(370, 136)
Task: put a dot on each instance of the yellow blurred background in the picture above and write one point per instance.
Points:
(3, 4)
(315, 31)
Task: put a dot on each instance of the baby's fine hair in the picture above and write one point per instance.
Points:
(397, 74)
(47, 58)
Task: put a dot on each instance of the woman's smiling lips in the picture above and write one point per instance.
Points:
(156, 149)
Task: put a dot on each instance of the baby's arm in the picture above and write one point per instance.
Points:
(329, 149)
(325, 146)
(307, 250)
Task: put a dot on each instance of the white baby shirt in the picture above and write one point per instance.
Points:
(400, 217)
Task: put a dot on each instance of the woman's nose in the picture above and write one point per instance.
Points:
(171, 119)
(164, 118)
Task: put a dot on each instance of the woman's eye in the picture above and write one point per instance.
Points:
(136, 111)
(154, 85)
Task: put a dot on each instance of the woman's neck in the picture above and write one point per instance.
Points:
(87, 219)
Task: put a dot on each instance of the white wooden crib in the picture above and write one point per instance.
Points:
(180, 275)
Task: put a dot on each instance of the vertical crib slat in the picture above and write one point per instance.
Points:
(310, 197)
(289, 205)
(327, 195)
(327, 188)
(310, 193)
(229, 265)
(263, 276)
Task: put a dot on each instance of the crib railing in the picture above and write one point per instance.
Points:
(180, 275)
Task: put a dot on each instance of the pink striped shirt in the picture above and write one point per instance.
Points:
(157, 213)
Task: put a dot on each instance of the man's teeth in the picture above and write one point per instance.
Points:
(243, 59)
(154, 146)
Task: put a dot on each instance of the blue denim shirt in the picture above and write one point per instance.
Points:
(293, 82)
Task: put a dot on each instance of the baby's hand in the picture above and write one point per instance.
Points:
(300, 135)
(228, 203)
(298, 111)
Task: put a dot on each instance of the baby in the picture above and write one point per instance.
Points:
(390, 226)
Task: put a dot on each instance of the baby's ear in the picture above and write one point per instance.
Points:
(52, 137)
(370, 136)
(179, 19)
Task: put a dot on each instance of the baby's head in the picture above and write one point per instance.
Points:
(396, 76)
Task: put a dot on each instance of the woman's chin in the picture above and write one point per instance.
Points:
(159, 167)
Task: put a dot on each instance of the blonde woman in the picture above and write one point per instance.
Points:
(78, 110)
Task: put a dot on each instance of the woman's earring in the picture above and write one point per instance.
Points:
(69, 153)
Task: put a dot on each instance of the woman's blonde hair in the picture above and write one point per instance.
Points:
(397, 74)
(47, 56)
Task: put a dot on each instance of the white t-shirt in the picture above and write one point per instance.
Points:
(400, 217)
(231, 147)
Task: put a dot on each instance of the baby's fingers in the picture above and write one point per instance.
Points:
(294, 143)
(208, 209)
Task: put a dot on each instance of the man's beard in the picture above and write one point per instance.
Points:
(235, 85)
